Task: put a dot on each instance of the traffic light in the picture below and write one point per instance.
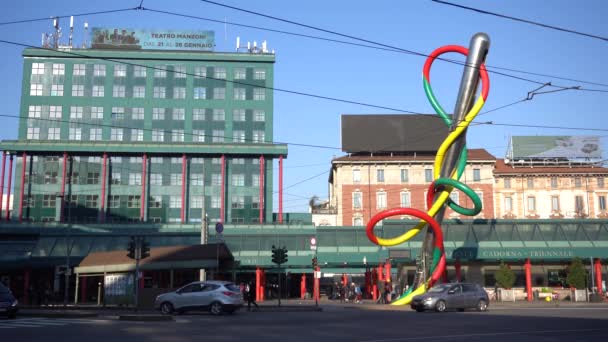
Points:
(283, 255)
(279, 255)
(315, 263)
(275, 255)
(132, 248)
(145, 249)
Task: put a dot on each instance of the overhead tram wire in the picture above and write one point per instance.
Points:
(605, 39)
(68, 15)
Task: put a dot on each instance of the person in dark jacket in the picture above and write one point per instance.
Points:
(250, 295)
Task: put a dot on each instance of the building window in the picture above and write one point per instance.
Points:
(238, 136)
(176, 179)
(179, 113)
(160, 71)
(93, 178)
(159, 92)
(219, 115)
(196, 202)
(579, 205)
(219, 93)
(133, 201)
(238, 115)
(99, 70)
(380, 175)
(158, 113)
(50, 178)
(200, 93)
(158, 135)
(135, 178)
(75, 134)
(578, 183)
(454, 196)
(259, 137)
(118, 113)
(139, 91)
(220, 72)
(37, 68)
(54, 133)
(600, 182)
(530, 182)
(507, 183)
(179, 92)
(35, 89)
(259, 94)
(255, 181)
(156, 201)
(508, 204)
(76, 112)
(91, 201)
(200, 72)
(120, 70)
(77, 90)
(116, 134)
(259, 74)
(404, 176)
(48, 201)
(428, 175)
(116, 178)
(198, 114)
(553, 182)
(240, 73)
(177, 135)
(531, 203)
(55, 112)
(137, 135)
(95, 134)
(96, 112)
(79, 70)
(35, 111)
(255, 204)
(58, 69)
(33, 133)
(114, 201)
(239, 94)
(57, 90)
(238, 202)
(118, 91)
(381, 200)
(179, 71)
(197, 179)
(259, 115)
(406, 200)
(357, 203)
(156, 179)
(216, 179)
(476, 175)
(98, 91)
(601, 200)
(215, 202)
(555, 203)
(137, 113)
(238, 180)
(139, 71)
(356, 175)
(198, 135)
(217, 136)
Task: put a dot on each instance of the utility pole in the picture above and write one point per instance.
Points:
(68, 239)
(204, 227)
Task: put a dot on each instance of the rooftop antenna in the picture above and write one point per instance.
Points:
(57, 33)
(264, 49)
(71, 30)
(238, 43)
(86, 33)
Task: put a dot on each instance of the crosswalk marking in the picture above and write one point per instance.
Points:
(40, 322)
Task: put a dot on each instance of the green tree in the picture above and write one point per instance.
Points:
(577, 274)
(505, 277)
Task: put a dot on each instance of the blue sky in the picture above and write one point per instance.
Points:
(367, 75)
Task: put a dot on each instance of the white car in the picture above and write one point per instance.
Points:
(215, 296)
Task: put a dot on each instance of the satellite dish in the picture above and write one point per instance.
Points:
(507, 160)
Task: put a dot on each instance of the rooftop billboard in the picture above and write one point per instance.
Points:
(135, 39)
(569, 147)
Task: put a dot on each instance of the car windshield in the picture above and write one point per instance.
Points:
(439, 288)
(233, 288)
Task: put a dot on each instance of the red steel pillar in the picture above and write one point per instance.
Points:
(26, 286)
(8, 193)
(281, 189)
(263, 286)
(598, 275)
(368, 282)
(258, 284)
(261, 189)
(316, 286)
(223, 190)
(387, 271)
(104, 177)
(142, 209)
(344, 280)
(528, 269)
(183, 210)
(22, 190)
(380, 272)
(63, 177)
(303, 286)
(374, 284)
(2, 181)
(458, 266)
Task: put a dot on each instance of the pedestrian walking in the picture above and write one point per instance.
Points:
(250, 297)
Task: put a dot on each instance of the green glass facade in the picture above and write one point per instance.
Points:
(214, 108)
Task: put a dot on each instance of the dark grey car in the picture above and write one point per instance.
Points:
(458, 296)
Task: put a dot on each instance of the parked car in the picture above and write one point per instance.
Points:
(8, 303)
(458, 296)
(215, 296)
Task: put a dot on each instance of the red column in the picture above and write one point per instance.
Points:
(528, 269)
(183, 212)
(223, 190)
(261, 189)
(2, 181)
(83, 289)
(303, 286)
(598, 275)
(63, 176)
(374, 285)
(258, 284)
(144, 164)
(458, 272)
(281, 189)
(8, 192)
(380, 272)
(368, 282)
(387, 271)
(104, 177)
(316, 287)
(344, 280)
(26, 286)
(22, 190)
(263, 286)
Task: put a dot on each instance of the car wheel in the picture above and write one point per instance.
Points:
(440, 306)
(216, 308)
(460, 310)
(166, 308)
(482, 305)
(419, 309)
